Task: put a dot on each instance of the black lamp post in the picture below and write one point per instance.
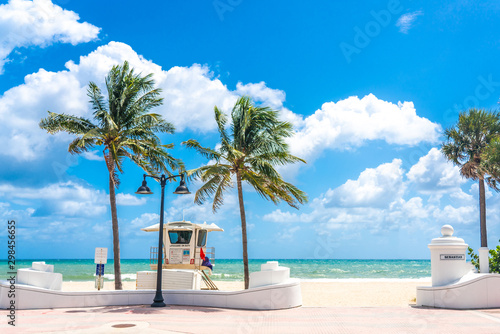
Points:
(144, 190)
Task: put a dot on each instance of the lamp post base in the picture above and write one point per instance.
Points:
(158, 304)
(158, 300)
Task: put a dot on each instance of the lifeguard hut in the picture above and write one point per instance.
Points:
(184, 243)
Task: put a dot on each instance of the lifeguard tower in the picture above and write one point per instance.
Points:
(183, 244)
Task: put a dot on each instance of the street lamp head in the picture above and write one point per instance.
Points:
(144, 189)
(182, 189)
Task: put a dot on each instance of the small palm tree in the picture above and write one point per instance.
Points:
(466, 143)
(125, 128)
(249, 151)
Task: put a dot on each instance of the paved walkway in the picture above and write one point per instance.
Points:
(184, 319)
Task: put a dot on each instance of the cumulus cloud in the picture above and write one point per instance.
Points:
(129, 200)
(351, 122)
(366, 201)
(406, 21)
(93, 155)
(273, 98)
(279, 216)
(375, 187)
(190, 95)
(381, 199)
(68, 199)
(144, 220)
(40, 23)
(433, 173)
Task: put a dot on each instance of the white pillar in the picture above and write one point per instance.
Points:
(447, 258)
(484, 262)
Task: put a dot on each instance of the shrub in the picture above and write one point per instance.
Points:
(494, 259)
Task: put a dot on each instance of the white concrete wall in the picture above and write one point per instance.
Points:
(472, 291)
(41, 279)
(274, 297)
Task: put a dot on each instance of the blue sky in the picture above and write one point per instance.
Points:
(369, 86)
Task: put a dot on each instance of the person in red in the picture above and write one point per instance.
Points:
(206, 260)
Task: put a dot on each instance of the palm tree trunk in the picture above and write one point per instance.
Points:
(116, 238)
(482, 213)
(243, 230)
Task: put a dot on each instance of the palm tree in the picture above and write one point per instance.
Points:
(466, 143)
(249, 151)
(125, 128)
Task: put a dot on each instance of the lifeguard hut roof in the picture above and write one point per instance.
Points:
(185, 225)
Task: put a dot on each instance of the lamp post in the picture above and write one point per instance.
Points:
(144, 190)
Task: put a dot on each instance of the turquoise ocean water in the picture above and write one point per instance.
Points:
(232, 270)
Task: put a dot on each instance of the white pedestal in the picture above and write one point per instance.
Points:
(484, 262)
(270, 273)
(447, 258)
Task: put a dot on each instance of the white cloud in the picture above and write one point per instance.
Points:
(129, 200)
(66, 199)
(288, 234)
(93, 155)
(279, 216)
(144, 220)
(273, 98)
(457, 215)
(375, 187)
(190, 94)
(362, 203)
(40, 23)
(351, 122)
(406, 21)
(474, 191)
(381, 200)
(433, 173)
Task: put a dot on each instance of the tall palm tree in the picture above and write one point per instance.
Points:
(249, 151)
(124, 128)
(465, 146)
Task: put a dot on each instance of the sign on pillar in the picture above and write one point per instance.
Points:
(101, 258)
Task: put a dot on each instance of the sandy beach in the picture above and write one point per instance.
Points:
(352, 293)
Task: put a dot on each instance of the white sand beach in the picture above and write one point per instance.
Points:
(347, 292)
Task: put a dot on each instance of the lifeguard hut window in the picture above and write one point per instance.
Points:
(202, 238)
(180, 237)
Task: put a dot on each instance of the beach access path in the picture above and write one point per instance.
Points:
(342, 306)
(184, 319)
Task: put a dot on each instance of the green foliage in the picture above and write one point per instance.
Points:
(469, 138)
(250, 149)
(124, 128)
(494, 259)
(466, 144)
(474, 258)
(123, 124)
(251, 146)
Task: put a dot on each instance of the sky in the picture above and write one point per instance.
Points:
(370, 87)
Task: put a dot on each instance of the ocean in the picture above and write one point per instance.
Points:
(232, 270)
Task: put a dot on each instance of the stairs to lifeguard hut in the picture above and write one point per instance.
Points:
(210, 253)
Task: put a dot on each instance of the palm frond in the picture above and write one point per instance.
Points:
(55, 123)
(204, 151)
